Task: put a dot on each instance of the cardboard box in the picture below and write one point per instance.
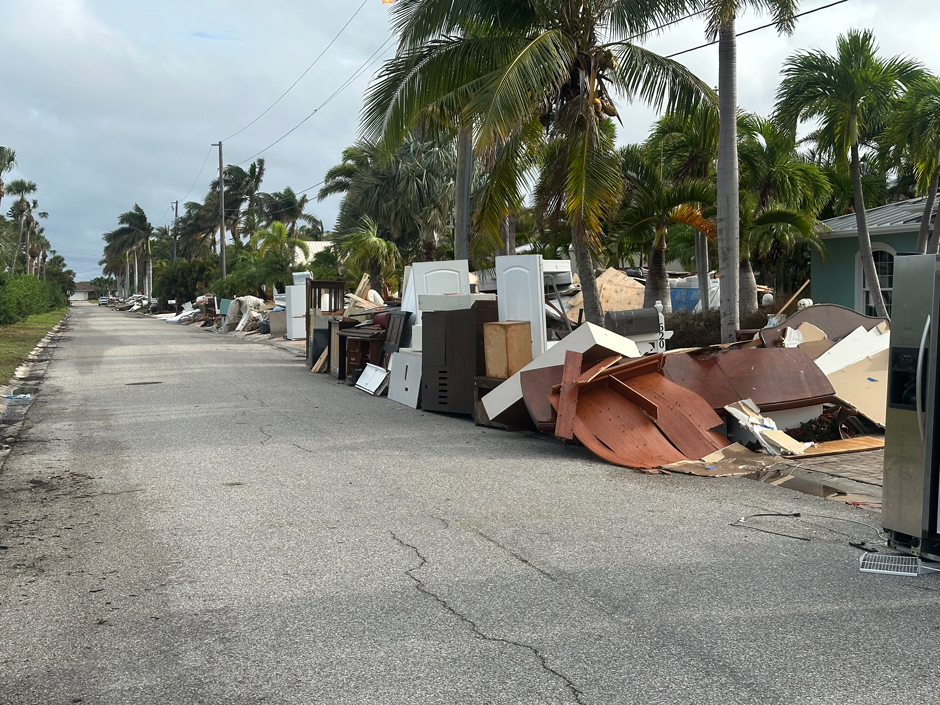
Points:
(507, 346)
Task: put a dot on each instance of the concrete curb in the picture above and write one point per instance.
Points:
(33, 372)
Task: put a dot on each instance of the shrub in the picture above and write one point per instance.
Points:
(24, 295)
(696, 330)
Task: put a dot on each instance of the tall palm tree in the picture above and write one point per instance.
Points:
(21, 188)
(132, 236)
(507, 66)
(288, 207)
(916, 124)
(851, 92)
(32, 226)
(7, 162)
(366, 251)
(278, 239)
(722, 15)
(651, 206)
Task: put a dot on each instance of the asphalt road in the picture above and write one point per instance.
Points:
(191, 518)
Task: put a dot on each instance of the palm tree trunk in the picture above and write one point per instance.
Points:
(657, 282)
(376, 280)
(26, 252)
(924, 234)
(748, 287)
(16, 252)
(923, 237)
(136, 274)
(149, 275)
(864, 240)
(701, 265)
(593, 311)
(462, 195)
(728, 206)
(507, 229)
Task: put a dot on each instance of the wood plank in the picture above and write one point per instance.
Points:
(846, 445)
(684, 417)
(568, 397)
(593, 444)
(634, 397)
(321, 365)
(626, 430)
(598, 368)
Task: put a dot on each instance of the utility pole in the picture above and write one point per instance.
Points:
(221, 209)
(176, 226)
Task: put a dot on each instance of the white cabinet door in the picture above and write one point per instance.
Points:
(296, 299)
(435, 278)
(521, 295)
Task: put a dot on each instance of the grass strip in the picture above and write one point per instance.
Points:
(17, 341)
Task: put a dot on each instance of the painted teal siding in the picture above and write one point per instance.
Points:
(834, 281)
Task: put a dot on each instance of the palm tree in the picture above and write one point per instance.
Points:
(916, 125)
(508, 66)
(21, 188)
(651, 206)
(7, 162)
(722, 15)
(288, 208)
(365, 250)
(408, 194)
(851, 92)
(132, 236)
(278, 239)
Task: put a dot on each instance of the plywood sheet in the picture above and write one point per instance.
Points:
(536, 388)
(568, 396)
(847, 445)
(618, 292)
(683, 416)
(774, 378)
(864, 385)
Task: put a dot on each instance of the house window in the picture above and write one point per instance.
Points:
(884, 266)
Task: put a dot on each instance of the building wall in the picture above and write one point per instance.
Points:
(80, 296)
(834, 281)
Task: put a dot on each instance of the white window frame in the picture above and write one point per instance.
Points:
(859, 294)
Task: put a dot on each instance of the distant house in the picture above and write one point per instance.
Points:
(83, 292)
(838, 280)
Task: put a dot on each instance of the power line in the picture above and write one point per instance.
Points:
(204, 161)
(335, 93)
(332, 41)
(755, 29)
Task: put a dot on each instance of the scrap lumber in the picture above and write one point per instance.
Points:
(600, 367)
(774, 378)
(846, 445)
(568, 396)
(683, 416)
(322, 363)
(648, 406)
(617, 292)
(793, 298)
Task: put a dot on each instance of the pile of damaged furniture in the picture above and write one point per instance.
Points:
(509, 348)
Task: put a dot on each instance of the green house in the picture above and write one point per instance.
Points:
(837, 274)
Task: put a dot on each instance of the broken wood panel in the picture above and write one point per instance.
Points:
(537, 386)
(568, 397)
(625, 429)
(647, 406)
(684, 417)
(774, 378)
(626, 370)
(598, 368)
(846, 445)
(596, 446)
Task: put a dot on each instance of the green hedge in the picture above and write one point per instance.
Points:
(24, 295)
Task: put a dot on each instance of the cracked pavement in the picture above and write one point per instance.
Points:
(247, 532)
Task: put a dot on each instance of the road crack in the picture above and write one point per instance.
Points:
(420, 586)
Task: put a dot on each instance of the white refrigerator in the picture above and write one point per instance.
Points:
(296, 312)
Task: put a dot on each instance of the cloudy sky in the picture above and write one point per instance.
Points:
(110, 103)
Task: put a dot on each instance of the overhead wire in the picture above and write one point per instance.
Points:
(315, 61)
(368, 62)
(755, 29)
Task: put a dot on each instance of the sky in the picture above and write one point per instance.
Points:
(109, 103)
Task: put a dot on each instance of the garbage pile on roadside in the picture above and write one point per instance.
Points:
(510, 349)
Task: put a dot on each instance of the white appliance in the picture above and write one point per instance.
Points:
(296, 312)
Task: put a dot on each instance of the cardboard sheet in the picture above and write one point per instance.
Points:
(864, 385)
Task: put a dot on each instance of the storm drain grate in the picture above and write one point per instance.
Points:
(885, 564)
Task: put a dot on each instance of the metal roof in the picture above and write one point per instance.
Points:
(900, 217)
